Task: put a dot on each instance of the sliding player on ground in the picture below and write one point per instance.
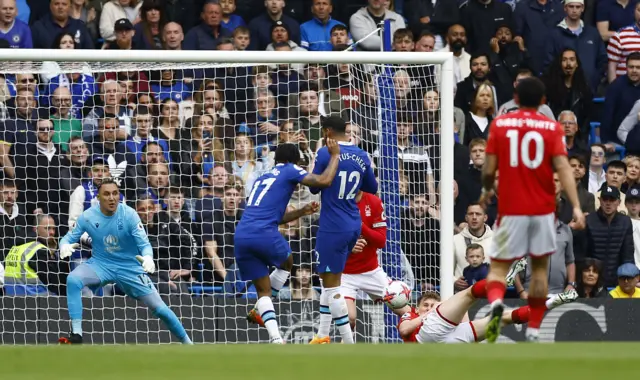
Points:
(340, 223)
(258, 245)
(525, 147)
(433, 321)
(121, 254)
(362, 271)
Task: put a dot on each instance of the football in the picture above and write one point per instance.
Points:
(397, 295)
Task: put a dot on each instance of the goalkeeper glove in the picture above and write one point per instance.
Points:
(66, 250)
(147, 263)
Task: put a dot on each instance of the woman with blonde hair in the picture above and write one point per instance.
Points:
(481, 113)
(244, 164)
(633, 172)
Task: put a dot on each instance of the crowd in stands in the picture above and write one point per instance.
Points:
(187, 144)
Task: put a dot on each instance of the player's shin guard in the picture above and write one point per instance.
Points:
(167, 316)
(278, 277)
(325, 315)
(340, 314)
(268, 314)
(74, 303)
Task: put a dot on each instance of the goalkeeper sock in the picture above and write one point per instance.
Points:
(268, 314)
(278, 277)
(74, 302)
(167, 316)
(325, 315)
(340, 314)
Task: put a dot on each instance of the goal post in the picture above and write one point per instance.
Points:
(382, 67)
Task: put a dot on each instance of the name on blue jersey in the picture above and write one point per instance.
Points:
(354, 157)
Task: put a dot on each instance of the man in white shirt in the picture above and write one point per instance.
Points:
(596, 168)
(456, 41)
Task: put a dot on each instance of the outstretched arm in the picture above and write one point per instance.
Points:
(308, 209)
(407, 327)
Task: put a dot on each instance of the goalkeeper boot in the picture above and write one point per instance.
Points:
(515, 269)
(317, 340)
(71, 339)
(495, 323)
(254, 317)
(562, 298)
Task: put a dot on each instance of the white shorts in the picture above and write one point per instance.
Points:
(437, 329)
(373, 283)
(518, 236)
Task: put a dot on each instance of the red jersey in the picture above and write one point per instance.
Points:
(374, 231)
(408, 317)
(524, 144)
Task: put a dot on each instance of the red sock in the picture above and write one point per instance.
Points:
(520, 315)
(538, 307)
(479, 289)
(495, 291)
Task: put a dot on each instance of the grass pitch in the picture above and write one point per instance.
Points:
(328, 362)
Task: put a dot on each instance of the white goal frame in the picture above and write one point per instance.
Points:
(446, 89)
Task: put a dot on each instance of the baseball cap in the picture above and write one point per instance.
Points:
(633, 193)
(628, 270)
(122, 25)
(98, 159)
(610, 192)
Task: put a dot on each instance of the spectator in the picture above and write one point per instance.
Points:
(301, 285)
(511, 105)
(467, 89)
(415, 160)
(633, 172)
(76, 166)
(244, 164)
(84, 196)
(172, 36)
(475, 231)
(316, 34)
(597, 175)
(152, 153)
(620, 99)
(508, 55)
(262, 26)
(169, 84)
(632, 203)
(111, 99)
(627, 282)
(622, 43)
(456, 41)
(179, 139)
(425, 42)
(615, 176)
(587, 199)
(609, 235)
(241, 38)
(105, 144)
(47, 28)
(51, 69)
(584, 39)
(143, 123)
(568, 89)
(149, 30)
(478, 269)
(481, 19)
(82, 85)
(114, 10)
(33, 268)
(12, 29)
(613, 15)
(86, 12)
(590, 282)
(295, 234)
(205, 36)
(64, 124)
(535, 21)
(367, 19)
(206, 146)
(13, 218)
(470, 182)
(183, 12)
(158, 184)
(562, 267)
(338, 91)
(262, 125)
(230, 21)
(309, 115)
(211, 194)
(434, 17)
(575, 145)
(280, 35)
(480, 114)
(339, 37)
(124, 33)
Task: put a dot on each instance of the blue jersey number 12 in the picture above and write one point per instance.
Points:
(266, 183)
(354, 177)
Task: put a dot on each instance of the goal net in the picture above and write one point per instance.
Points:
(186, 139)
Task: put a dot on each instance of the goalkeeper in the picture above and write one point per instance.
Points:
(121, 254)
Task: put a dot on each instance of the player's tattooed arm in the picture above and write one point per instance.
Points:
(325, 179)
(309, 209)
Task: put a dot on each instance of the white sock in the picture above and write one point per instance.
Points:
(268, 314)
(325, 315)
(278, 277)
(340, 314)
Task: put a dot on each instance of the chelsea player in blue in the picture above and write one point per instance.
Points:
(258, 244)
(121, 254)
(340, 224)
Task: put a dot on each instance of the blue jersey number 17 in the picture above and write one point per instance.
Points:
(266, 185)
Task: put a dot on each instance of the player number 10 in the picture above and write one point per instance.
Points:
(521, 153)
(354, 177)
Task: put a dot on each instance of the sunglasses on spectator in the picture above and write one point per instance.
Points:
(597, 154)
(45, 130)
